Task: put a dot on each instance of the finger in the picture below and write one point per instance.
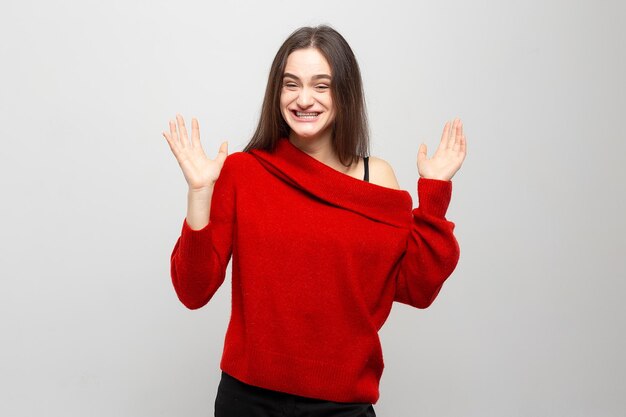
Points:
(195, 133)
(173, 133)
(182, 130)
(443, 143)
(172, 144)
(445, 134)
(452, 134)
(421, 153)
(463, 147)
(458, 136)
(167, 138)
(222, 153)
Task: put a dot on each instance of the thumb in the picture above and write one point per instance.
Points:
(421, 153)
(223, 152)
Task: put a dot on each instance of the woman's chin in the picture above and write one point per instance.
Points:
(309, 134)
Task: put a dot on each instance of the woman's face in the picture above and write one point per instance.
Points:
(305, 99)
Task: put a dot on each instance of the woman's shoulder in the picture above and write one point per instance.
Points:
(381, 173)
(236, 164)
(238, 160)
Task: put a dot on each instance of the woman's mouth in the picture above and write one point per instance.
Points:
(305, 115)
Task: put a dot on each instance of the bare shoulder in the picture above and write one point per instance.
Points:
(381, 173)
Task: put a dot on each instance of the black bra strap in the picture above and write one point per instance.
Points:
(367, 171)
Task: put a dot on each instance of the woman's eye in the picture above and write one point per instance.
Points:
(290, 85)
(322, 87)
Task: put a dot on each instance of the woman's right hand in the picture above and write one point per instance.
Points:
(200, 172)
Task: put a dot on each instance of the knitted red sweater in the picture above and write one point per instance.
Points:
(318, 259)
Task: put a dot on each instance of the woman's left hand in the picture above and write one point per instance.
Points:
(448, 157)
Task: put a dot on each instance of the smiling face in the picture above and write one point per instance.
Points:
(306, 101)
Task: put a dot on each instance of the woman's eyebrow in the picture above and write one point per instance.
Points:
(315, 77)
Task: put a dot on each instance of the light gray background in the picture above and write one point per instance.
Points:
(532, 321)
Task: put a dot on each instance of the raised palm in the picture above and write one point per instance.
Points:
(448, 157)
(200, 172)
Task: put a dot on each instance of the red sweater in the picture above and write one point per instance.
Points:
(318, 257)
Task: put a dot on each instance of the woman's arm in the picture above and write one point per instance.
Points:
(202, 252)
(200, 257)
(432, 250)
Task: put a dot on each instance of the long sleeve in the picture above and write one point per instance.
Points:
(200, 257)
(432, 250)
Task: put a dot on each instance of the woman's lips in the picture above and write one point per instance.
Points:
(305, 116)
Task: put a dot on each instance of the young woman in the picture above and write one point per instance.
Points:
(321, 237)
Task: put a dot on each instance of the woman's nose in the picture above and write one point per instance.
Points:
(305, 99)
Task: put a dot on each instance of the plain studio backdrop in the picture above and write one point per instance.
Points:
(531, 323)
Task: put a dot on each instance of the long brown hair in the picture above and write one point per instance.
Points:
(350, 132)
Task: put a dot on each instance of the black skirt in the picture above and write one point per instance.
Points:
(238, 399)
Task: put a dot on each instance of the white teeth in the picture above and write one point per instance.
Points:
(307, 115)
